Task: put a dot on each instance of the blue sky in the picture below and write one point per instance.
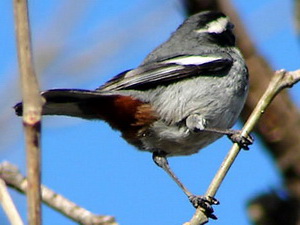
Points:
(82, 44)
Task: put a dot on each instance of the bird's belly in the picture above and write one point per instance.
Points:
(177, 141)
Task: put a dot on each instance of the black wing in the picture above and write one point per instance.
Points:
(168, 71)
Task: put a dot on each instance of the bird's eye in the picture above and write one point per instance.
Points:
(229, 26)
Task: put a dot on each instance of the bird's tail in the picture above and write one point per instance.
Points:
(73, 102)
(121, 112)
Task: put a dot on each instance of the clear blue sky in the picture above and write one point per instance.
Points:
(80, 45)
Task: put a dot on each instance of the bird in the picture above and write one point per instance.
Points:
(186, 94)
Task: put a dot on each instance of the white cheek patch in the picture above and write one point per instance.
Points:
(192, 60)
(218, 26)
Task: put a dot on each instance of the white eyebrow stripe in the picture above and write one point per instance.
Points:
(192, 60)
(216, 26)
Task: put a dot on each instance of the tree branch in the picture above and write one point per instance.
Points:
(8, 205)
(13, 178)
(32, 109)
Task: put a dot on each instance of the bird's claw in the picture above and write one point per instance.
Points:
(242, 141)
(206, 203)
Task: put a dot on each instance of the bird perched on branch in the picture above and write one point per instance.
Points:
(186, 94)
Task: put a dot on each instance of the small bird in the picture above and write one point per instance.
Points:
(186, 94)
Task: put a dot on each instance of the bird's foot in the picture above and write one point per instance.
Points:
(243, 142)
(206, 203)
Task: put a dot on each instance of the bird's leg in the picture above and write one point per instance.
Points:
(197, 123)
(160, 159)
(235, 136)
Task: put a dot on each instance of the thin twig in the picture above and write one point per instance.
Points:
(13, 178)
(32, 108)
(281, 80)
(8, 205)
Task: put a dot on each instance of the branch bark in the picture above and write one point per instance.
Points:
(32, 109)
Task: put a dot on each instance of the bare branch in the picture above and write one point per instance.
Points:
(32, 109)
(8, 205)
(280, 80)
(13, 178)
